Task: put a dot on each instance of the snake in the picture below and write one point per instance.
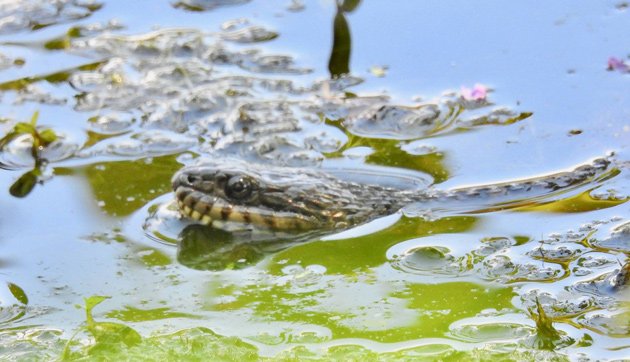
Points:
(292, 199)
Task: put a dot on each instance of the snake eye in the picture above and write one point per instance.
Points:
(192, 179)
(239, 187)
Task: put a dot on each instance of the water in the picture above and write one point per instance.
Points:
(134, 90)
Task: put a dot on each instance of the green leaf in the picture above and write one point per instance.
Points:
(107, 333)
(24, 128)
(339, 63)
(18, 293)
(48, 136)
(93, 301)
(34, 118)
(24, 185)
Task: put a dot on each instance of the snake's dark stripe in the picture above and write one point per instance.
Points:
(246, 217)
(226, 211)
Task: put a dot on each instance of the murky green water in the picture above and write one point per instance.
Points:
(125, 93)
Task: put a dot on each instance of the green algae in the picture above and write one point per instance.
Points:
(125, 186)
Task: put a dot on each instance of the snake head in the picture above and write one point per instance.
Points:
(278, 198)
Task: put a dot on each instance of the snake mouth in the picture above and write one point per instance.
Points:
(194, 204)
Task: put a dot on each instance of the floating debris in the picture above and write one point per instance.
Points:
(478, 93)
(616, 64)
(379, 71)
(621, 278)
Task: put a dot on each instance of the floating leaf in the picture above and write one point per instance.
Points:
(24, 185)
(18, 293)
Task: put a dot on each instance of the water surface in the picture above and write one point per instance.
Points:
(135, 90)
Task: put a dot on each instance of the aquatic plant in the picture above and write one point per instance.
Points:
(547, 336)
(42, 138)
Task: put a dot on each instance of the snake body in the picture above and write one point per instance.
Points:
(297, 200)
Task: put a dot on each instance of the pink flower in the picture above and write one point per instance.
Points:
(618, 64)
(478, 93)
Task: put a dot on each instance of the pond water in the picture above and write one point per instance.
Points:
(103, 101)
